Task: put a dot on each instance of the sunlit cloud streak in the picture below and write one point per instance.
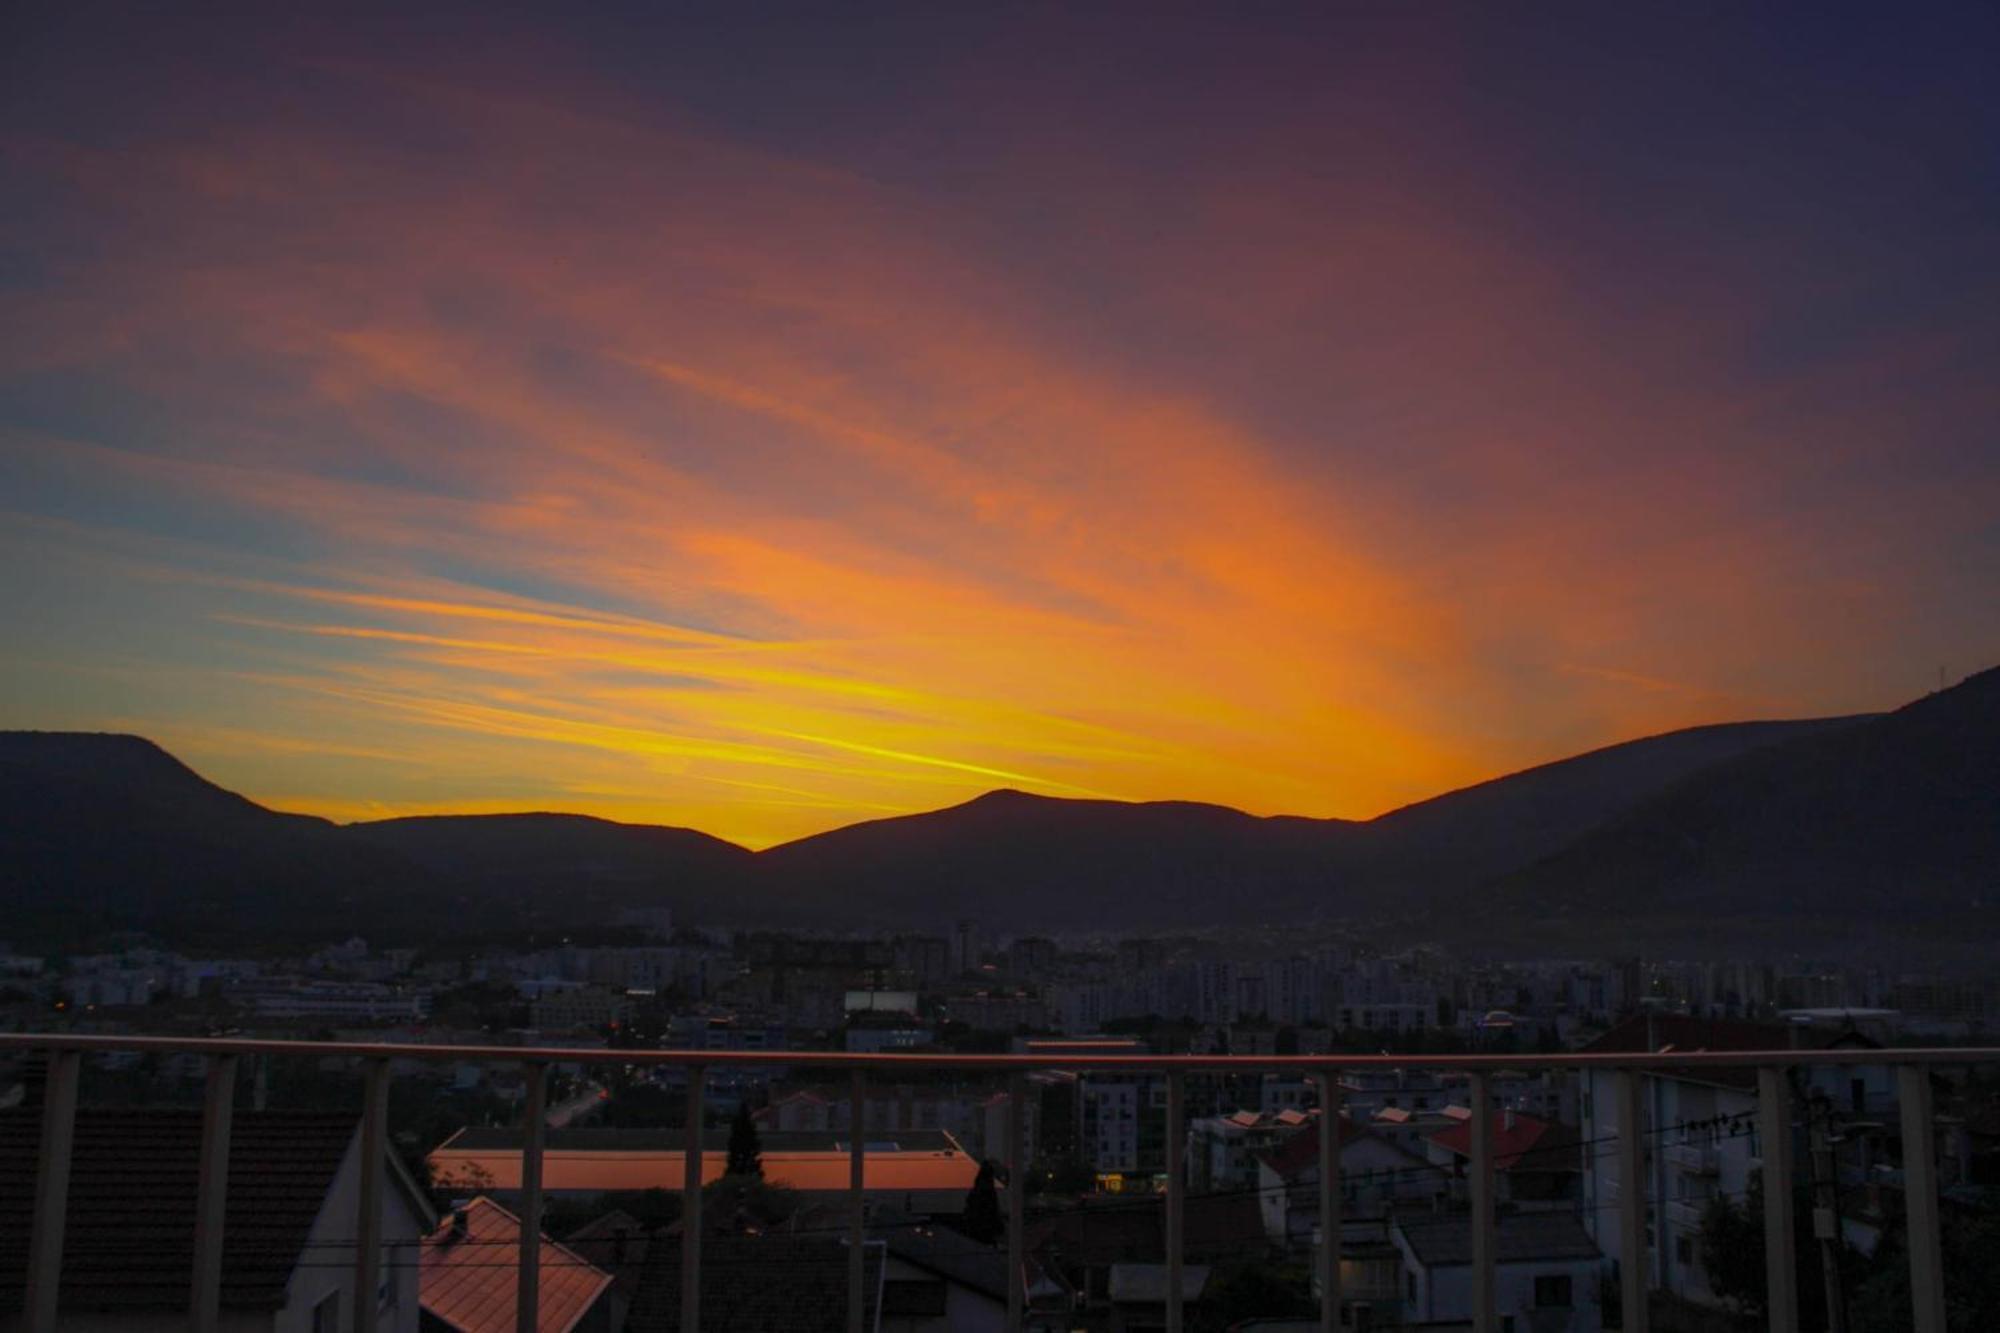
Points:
(503, 447)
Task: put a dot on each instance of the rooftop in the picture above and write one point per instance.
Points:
(1520, 1142)
(914, 1162)
(1444, 1239)
(129, 1239)
(469, 1283)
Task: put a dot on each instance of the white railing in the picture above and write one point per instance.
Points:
(1701, 1159)
(1775, 1119)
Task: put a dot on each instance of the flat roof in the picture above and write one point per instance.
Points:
(917, 1162)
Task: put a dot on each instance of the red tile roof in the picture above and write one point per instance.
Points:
(129, 1239)
(1530, 1143)
(469, 1282)
(1300, 1151)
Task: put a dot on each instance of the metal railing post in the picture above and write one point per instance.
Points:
(1017, 1201)
(1920, 1199)
(1485, 1237)
(212, 1194)
(1633, 1270)
(1329, 1201)
(45, 1242)
(534, 1139)
(1176, 1195)
(1781, 1270)
(371, 1147)
(857, 1159)
(691, 1206)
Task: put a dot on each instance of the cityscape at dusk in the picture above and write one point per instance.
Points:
(1001, 668)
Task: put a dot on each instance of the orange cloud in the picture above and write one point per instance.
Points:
(630, 470)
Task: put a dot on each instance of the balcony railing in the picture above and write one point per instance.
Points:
(1686, 1213)
(1699, 1159)
(1628, 1071)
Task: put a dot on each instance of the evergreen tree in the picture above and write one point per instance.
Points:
(746, 1150)
(981, 1219)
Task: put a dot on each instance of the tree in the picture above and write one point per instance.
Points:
(1731, 1243)
(1971, 1278)
(746, 1150)
(1732, 1249)
(981, 1219)
(1252, 1289)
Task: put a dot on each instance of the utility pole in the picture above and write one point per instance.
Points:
(1826, 1210)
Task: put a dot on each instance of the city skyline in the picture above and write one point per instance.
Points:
(762, 427)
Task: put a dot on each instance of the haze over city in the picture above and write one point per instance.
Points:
(763, 421)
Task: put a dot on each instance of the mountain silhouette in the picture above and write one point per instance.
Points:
(104, 833)
(1810, 826)
(1891, 826)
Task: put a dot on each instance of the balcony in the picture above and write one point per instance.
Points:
(370, 1241)
(1686, 1213)
(1696, 1159)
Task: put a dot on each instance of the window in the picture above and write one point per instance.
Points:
(1552, 1292)
(326, 1314)
(1411, 1276)
(1684, 1250)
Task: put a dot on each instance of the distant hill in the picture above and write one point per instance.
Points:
(546, 870)
(1889, 828)
(1056, 863)
(1070, 863)
(105, 833)
(1766, 829)
(1468, 836)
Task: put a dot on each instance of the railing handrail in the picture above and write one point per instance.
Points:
(1048, 1060)
(1775, 1118)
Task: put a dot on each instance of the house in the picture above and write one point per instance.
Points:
(616, 1242)
(468, 1283)
(288, 1223)
(1536, 1162)
(1081, 1247)
(1545, 1280)
(937, 1280)
(1701, 1135)
(920, 1171)
(759, 1284)
(1412, 1130)
(1139, 1295)
(1374, 1175)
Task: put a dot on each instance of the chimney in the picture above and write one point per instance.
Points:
(1507, 1119)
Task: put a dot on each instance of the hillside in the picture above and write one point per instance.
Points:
(552, 870)
(1468, 836)
(1774, 830)
(1890, 827)
(1057, 863)
(1087, 863)
(107, 832)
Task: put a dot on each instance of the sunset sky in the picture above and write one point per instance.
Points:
(761, 419)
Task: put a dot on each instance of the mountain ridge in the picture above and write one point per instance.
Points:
(120, 826)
